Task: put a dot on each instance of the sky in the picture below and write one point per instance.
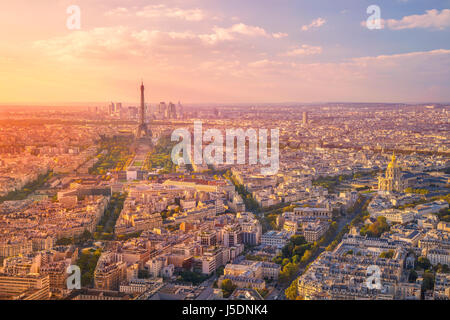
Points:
(224, 51)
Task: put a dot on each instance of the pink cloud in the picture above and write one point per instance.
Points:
(316, 23)
(159, 11)
(304, 50)
(432, 19)
(162, 11)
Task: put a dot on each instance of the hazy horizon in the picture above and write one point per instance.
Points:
(222, 104)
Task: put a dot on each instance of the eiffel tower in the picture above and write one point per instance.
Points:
(143, 130)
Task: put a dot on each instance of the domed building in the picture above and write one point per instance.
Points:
(392, 181)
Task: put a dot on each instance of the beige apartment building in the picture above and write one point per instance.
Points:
(24, 287)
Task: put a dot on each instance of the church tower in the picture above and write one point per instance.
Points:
(392, 181)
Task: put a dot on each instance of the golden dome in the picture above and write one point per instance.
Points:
(393, 161)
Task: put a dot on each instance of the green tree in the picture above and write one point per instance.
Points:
(288, 272)
(292, 292)
(387, 254)
(227, 287)
(375, 229)
(64, 241)
(306, 256)
(424, 263)
(412, 276)
(428, 281)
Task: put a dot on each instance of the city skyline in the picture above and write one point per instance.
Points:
(211, 51)
(247, 152)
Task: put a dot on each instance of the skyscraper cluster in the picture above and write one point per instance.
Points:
(168, 111)
(114, 108)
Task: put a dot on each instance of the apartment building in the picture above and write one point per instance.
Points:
(275, 238)
(24, 287)
(111, 270)
(313, 231)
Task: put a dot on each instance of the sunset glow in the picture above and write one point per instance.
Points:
(224, 51)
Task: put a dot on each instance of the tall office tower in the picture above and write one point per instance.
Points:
(166, 114)
(162, 109)
(111, 108)
(180, 110)
(172, 111)
(118, 106)
(143, 130)
(305, 118)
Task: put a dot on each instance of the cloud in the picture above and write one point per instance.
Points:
(396, 70)
(317, 23)
(279, 35)
(431, 19)
(304, 50)
(366, 24)
(98, 42)
(228, 34)
(409, 72)
(418, 60)
(190, 58)
(116, 43)
(120, 11)
(160, 11)
(122, 42)
(265, 63)
(247, 30)
(414, 76)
